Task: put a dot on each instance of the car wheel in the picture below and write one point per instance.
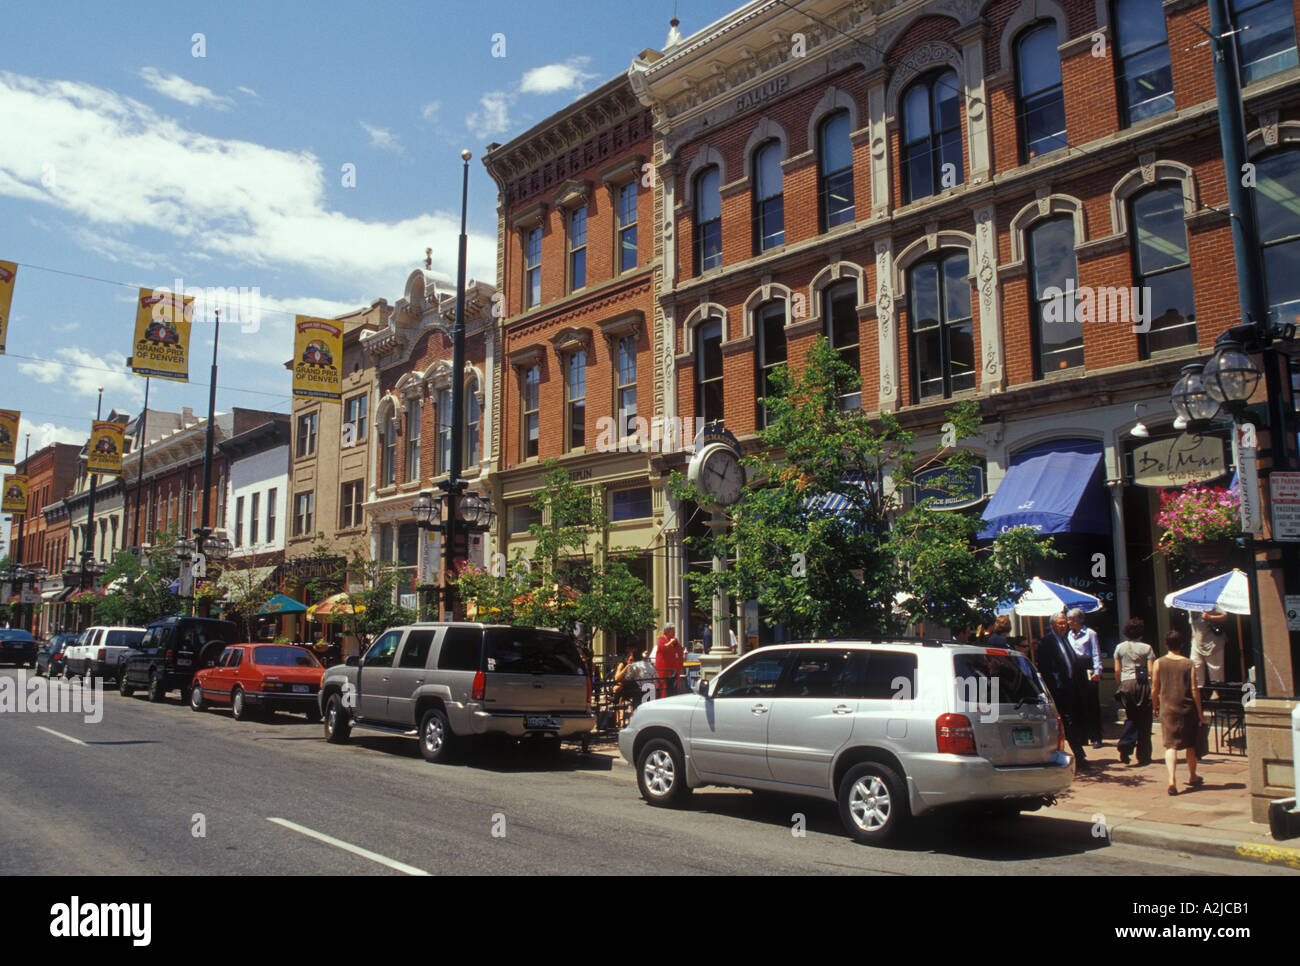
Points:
(238, 706)
(661, 774)
(124, 689)
(337, 725)
(435, 736)
(196, 699)
(155, 692)
(873, 803)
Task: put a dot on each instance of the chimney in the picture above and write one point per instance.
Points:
(187, 415)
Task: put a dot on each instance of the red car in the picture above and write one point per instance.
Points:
(260, 678)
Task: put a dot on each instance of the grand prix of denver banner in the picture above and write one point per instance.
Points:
(105, 453)
(15, 493)
(8, 271)
(162, 335)
(317, 358)
(8, 434)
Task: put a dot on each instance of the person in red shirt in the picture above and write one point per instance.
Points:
(670, 661)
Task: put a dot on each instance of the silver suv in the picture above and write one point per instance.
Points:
(441, 681)
(888, 730)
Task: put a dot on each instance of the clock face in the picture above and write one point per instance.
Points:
(721, 476)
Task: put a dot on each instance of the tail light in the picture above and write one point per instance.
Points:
(1060, 734)
(167, 656)
(99, 656)
(954, 735)
(480, 684)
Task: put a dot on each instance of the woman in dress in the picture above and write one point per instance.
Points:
(1176, 699)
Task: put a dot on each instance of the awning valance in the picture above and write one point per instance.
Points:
(1053, 488)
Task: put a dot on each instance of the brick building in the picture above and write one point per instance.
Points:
(577, 256)
(51, 474)
(965, 198)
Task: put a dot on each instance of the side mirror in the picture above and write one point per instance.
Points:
(702, 688)
(353, 661)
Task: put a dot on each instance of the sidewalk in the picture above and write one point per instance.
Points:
(1129, 805)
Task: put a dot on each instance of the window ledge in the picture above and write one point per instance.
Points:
(1177, 352)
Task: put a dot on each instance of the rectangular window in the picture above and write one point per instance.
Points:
(577, 249)
(350, 506)
(1146, 80)
(523, 516)
(768, 200)
(769, 324)
(708, 371)
(627, 198)
(355, 413)
(841, 315)
(413, 440)
(529, 425)
(271, 497)
(304, 514)
(633, 504)
(626, 385)
(307, 434)
(835, 171)
(444, 432)
(386, 542)
(1054, 276)
(473, 416)
(252, 518)
(943, 349)
(1265, 37)
(575, 391)
(708, 220)
(533, 268)
(1162, 264)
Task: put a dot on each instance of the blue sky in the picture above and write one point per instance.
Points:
(127, 158)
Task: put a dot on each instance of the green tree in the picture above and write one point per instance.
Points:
(141, 591)
(245, 595)
(826, 536)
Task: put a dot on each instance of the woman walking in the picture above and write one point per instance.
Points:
(1177, 700)
(1134, 659)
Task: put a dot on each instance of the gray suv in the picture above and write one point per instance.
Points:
(439, 682)
(888, 730)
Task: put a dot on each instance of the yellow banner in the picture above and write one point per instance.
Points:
(162, 335)
(318, 358)
(8, 434)
(8, 271)
(105, 453)
(15, 493)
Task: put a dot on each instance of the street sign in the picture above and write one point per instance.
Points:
(30, 595)
(1284, 496)
(1243, 454)
(1292, 604)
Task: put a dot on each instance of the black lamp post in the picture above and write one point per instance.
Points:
(476, 515)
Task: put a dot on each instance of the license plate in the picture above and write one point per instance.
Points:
(1022, 735)
(183, 662)
(540, 722)
(300, 689)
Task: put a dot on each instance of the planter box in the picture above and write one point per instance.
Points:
(1268, 746)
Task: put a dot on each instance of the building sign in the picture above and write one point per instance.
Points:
(104, 454)
(952, 493)
(431, 558)
(318, 359)
(162, 335)
(715, 432)
(1243, 454)
(311, 568)
(15, 493)
(1187, 458)
(8, 434)
(1284, 495)
(1292, 603)
(762, 93)
(8, 272)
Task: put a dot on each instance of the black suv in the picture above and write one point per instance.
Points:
(171, 651)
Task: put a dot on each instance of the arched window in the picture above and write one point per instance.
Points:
(942, 330)
(769, 203)
(388, 453)
(708, 220)
(1162, 266)
(932, 157)
(1054, 274)
(1265, 32)
(1146, 80)
(444, 431)
(575, 399)
(1040, 101)
(835, 171)
(840, 320)
(1277, 204)
(413, 440)
(769, 327)
(708, 370)
(472, 419)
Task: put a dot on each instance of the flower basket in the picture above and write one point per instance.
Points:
(1197, 524)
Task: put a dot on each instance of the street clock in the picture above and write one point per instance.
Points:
(715, 468)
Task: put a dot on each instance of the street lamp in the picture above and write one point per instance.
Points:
(1190, 399)
(475, 516)
(1231, 376)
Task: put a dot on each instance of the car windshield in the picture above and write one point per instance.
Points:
(513, 650)
(124, 638)
(280, 656)
(15, 635)
(1004, 678)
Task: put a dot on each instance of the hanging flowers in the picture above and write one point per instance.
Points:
(1195, 515)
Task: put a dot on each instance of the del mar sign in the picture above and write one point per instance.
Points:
(1188, 458)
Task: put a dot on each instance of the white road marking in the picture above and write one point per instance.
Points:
(348, 847)
(60, 734)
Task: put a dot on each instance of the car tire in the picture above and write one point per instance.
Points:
(124, 689)
(436, 739)
(155, 692)
(196, 699)
(873, 803)
(661, 774)
(239, 710)
(337, 725)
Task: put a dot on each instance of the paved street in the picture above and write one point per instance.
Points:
(124, 795)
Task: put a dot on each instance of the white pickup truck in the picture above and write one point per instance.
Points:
(99, 651)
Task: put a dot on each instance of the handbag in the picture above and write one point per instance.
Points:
(1202, 739)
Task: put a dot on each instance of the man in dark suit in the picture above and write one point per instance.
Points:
(1066, 679)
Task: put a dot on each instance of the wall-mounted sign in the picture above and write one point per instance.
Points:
(1284, 496)
(8, 434)
(15, 493)
(1243, 454)
(1187, 458)
(104, 455)
(954, 493)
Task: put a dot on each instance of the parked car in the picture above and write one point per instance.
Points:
(253, 678)
(49, 658)
(888, 730)
(439, 682)
(17, 647)
(99, 652)
(170, 653)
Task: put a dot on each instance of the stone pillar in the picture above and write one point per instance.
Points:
(1268, 747)
(985, 269)
(888, 332)
(879, 141)
(971, 38)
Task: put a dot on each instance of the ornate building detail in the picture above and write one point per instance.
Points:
(935, 53)
(1268, 125)
(888, 347)
(986, 280)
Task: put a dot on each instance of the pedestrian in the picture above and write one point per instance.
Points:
(708, 638)
(997, 636)
(1065, 677)
(632, 670)
(1134, 659)
(1175, 697)
(669, 661)
(1083, 639)
(735, 645)
(1209, 640)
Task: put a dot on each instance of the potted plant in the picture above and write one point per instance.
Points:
(1196, 521)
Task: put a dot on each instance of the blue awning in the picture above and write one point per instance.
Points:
(1056, 487)
(836, 503)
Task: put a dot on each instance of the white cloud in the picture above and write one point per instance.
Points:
(122, 166)
(77, 372)
(557, 77)
(248, 90)
(430, 111)
(494, 118)
(179, 89)
(43, 434)
(382, 138)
